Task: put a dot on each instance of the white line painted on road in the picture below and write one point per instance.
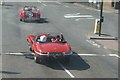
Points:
(13, 53)
(67, 6)
(109, 55)
(114, 55)
(83, 19)
(45, 1)
(67, 71)
(85, 54)
(93, 43)
(58, 3)
(90, 8)
(44, 4)
(106, 55)
(77, 16)
(18, 53)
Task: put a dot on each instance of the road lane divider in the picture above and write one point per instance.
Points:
(77, 16)
(47, 1)
(83, 19)
(66, 70)
(89, 55)
(44, 4)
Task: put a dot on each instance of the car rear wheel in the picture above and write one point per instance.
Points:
(20, 19)
(30, 49)
(38, 60)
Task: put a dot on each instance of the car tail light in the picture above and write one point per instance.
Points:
(34, 14)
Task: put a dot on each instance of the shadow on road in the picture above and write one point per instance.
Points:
(76, 63)
(41, 20)
(8, 72)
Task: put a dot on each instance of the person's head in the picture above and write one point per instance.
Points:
(58, 37)
(53, 39)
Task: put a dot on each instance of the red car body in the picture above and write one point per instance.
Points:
(48, 48)
(29, 13)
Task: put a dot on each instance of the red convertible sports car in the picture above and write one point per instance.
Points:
(49, 45)
(29, 13)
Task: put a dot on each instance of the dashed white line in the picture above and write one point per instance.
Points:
(109, 55)
(114, 55)
(93, 43)
(44, 4)
(66, 70)
(85, 54)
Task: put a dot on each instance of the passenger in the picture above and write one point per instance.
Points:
(43, 38)
(55, 39)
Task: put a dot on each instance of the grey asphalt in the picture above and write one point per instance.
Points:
(14, 35)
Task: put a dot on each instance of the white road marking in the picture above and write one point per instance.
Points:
(85, 54)
(18, 53)
(83, 18)
(114, 55)
(109, 55)
(90, 8)
(46, 1)
(67, 6)
(77, 13)
(106, 55)
(58, 2)
(44, 4)
(13, 53)
(67, 71)
(78, 16)
(93, 43)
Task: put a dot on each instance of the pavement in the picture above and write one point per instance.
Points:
(106, 9)
(105, 41)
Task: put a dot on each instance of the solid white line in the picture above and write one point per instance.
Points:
(58, 2)
(86, 54)
(46, 1)
(114, 55)
(67, 71)
(109, 55)
(75, 16)
(83, 19)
